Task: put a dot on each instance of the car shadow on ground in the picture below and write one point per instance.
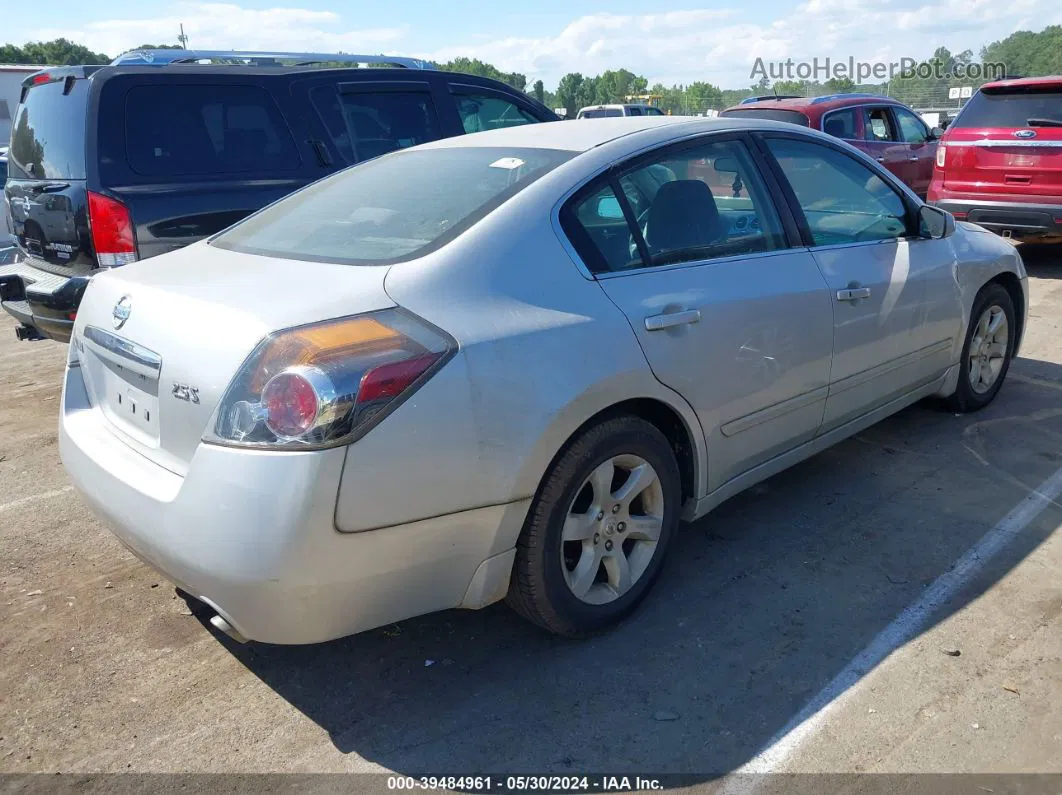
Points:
(764, 602)
(1042, 259)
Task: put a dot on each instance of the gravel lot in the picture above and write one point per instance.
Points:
(767, 600)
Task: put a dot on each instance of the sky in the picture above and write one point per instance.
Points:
(667, 41)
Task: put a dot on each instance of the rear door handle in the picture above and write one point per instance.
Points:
(881, 159)
(913, 159)
(672, 319)
(853, 293)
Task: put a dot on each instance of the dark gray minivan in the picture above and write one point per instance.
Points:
(165, 147)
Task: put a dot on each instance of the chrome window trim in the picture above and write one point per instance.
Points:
(671, 266)
(861, 243)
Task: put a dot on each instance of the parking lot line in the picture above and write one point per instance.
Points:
(44, 495)
(780, 749)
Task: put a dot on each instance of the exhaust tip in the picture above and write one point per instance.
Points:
(222, 625)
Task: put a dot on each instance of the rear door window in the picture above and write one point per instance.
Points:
(486, 111)
(841, 123)
(368, 121)
(694, 204)
(198, 129)
(878, 126)
(48, 135)
(1011, 110)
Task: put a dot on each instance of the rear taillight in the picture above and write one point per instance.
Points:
(942, 151)
(329, 383)
(112, 231)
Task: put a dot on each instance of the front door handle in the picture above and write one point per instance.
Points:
(913, 159)
(672, 319)
(853, 293)
(881, 159)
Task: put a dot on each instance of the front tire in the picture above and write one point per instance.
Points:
(987, 351)
(599, 529)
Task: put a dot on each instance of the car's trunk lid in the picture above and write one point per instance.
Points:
(160, 341)
(999, 145)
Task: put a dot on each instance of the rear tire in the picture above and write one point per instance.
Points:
(614, 492)
(987, 350)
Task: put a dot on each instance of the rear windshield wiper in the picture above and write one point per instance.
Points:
(1044, 122)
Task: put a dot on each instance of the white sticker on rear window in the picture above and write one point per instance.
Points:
(507, 163)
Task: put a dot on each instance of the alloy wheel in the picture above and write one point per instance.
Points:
(988, 349)
(612, 529)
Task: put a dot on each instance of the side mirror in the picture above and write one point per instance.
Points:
(934, 223)
(936, 133)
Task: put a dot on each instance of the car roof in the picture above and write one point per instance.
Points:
(818, 105)
(590, 133)
(1048, 81)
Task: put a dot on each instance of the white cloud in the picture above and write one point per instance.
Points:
(720, 46)
(717, 45)
(226, 26)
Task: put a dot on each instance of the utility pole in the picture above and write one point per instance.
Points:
(182, 38)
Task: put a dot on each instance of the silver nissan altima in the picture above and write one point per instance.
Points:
(506, 365)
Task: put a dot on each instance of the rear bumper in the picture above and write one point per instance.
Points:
(252, 534)
(46, 301)
(1017, 218)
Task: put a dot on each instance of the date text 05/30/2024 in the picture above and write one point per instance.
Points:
(496, 784)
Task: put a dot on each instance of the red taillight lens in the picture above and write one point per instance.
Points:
(391, 380)
(959, 216)
(43, 77)
(290, 403)
(112, 231)
(328, 383)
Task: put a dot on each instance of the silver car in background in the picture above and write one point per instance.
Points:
(506, 365)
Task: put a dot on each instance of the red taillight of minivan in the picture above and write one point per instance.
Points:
(112, 231)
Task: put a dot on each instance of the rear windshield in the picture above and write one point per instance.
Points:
(394, 208)
(773, 114)
(1011, 109)
(197, 129)
(600, 114)
(48, 135)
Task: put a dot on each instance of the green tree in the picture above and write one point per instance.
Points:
(474, 66)
(839, 85)
(539, 90)
(569, 91)
(59, 52)
(1026, 53)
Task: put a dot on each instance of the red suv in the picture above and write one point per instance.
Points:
(1000, 162)
(885, 129)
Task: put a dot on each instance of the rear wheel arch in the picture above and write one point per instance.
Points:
(664, 418)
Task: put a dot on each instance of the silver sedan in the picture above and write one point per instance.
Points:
(507, 365)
